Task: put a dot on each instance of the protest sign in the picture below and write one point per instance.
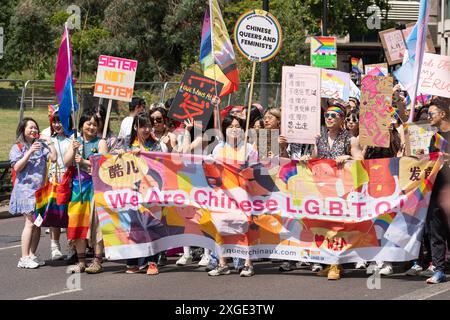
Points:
(393, 44)
(429, 46)
(375, 116)
(435, 75)
(418, 137)
(300, 100)
(194, 98)
(335, 85)
(317, 211)
(258, 35)
(115, 78)
(355, 92)
(381, 69)
(323, 52)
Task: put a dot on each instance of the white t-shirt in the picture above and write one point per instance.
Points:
(125, 128)
(61, 144)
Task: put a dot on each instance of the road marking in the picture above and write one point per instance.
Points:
(54, 294)
(5, 248)
(426, 293)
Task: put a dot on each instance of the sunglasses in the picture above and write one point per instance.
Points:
(331, 114)
(355, 120)
(157, 120)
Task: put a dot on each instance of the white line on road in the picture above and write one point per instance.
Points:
(54, 294)
(5, 248)
(426, 293)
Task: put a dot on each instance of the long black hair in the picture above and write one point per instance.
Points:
(101, 109)
(163, 114)
(20, 131)
(140, 120)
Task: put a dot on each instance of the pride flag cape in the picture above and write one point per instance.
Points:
(64, 89)
(319, 212)
(217, 56)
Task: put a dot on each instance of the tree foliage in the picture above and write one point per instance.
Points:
(164, 36)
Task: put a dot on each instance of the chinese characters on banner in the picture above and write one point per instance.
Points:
(300, 98)
(435, 75)
(393, 44)
(335, 85)
(375, 117)
(323, 52)
(115, 78)
(194, 98)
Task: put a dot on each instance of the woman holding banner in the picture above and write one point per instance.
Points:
(334, 143)
(158, 117)
(194, 141)
(231, 151)
(81, 212)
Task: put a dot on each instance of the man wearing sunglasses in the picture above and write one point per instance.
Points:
(439, 209)
(334, 142)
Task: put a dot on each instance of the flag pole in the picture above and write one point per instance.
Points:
(217, 123)
(73, 108)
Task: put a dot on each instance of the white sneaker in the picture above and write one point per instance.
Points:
(204, 261)
(429, 272)
(27, 263)
(386, 269)
(47, 231)
(316, 267)
(301, 264)
(57, 254)
(36, 259)
(373, 267)
(63, 230)
(415, 270)
(361, 264)
(183, 260)
(247, 271)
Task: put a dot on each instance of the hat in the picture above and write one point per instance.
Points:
(52, 109)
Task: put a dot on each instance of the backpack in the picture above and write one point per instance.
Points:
(13, 172)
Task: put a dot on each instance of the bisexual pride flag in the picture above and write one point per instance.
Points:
(64, 83)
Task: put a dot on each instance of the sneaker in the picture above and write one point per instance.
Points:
(204, 261)
(438, 277)
(63, 230)
(361, 264)
(287, 266)
(335, 272)
(386, 269)
(94, 268)
(152, 269)
(211, 265)
(429, 272)
(219, 270)
(162, 259)
(57, 254)
(36, 259)
(184, 260)
(27, 263)
(247, 271)
(415, 270)
(77, 268)
(372, 268)
(47, 231)
(132, 269)
(316, 267)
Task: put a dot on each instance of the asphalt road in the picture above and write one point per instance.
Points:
(191, 282)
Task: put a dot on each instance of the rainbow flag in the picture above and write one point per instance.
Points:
(357, 65)
(64, 89)
(440, 143)
(323, 45)
(217, 56)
